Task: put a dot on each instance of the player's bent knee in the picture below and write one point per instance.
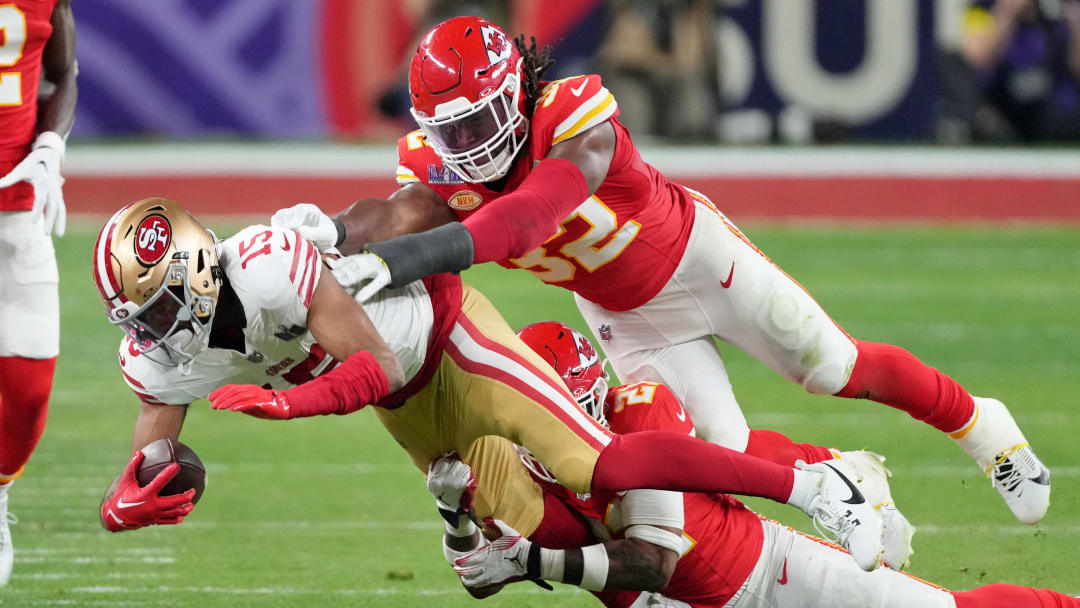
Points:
(828, 378)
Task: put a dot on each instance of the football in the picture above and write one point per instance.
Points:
(162, 453)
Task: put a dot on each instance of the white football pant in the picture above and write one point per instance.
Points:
(762, 311)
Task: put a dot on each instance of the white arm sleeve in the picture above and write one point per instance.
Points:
(653, 508)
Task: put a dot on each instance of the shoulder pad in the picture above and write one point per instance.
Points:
(569, 107)
(272, 267)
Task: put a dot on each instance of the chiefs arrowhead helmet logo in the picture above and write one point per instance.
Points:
(495, 43)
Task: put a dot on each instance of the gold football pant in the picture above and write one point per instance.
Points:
(490, 383)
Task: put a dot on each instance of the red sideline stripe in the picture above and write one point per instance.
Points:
(884, 198)
(486, 342)
(518, 384)
(513, 382)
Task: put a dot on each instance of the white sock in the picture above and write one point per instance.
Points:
(806, 487)
(4, 488)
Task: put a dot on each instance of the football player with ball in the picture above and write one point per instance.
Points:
(257, 324)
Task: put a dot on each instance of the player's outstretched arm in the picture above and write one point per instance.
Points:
(126, 505)
(412, 208)
(511, 225)
(629, 564)
(369, 370)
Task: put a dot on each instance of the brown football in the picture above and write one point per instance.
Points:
(162, 453)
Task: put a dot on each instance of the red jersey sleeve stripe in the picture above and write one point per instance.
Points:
(309, 254)
(295, 257)
(311, 270)
(133, 382)
(148, 398)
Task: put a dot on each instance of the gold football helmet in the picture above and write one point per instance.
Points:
(156, 269)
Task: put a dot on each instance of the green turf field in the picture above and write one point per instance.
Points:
(328, 512)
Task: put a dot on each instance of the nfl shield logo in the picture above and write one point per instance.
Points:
(605, 332)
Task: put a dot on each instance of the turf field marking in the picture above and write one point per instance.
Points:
(52, 576)
(96, 589)
(996, 530)
(86, 559)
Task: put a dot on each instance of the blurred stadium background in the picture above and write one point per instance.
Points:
(854, 140)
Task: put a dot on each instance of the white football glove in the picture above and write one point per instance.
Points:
(365, 272)
(452, 483)
(42, 169)
(310, 222)
(503, 560)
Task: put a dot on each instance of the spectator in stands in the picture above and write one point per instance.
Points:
(1026, 58)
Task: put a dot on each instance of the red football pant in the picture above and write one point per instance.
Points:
(1013, 596)
(891, 375)
(24, 404)
(775, 447)
(666, 460)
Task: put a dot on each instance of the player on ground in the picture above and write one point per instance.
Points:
(695, 549)
(37, 40)
(436, 358)
(542, 176)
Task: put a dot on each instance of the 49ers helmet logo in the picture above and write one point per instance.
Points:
(152, 239)
(496, 44)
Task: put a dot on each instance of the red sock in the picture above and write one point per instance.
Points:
(1013, 596)
(775, 447)
(666, 460)
(891, 375)
(24, 403)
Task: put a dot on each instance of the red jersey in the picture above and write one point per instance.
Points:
(622, 244)
(25, 27)
(724, 537)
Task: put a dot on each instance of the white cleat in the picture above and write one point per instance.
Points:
(872, 479)
(995, 442)
(843, 515)
(7, 551)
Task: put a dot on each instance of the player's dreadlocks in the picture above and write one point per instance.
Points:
(534, 65)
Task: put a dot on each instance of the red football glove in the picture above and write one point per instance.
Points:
(132, 507)
(252, 400)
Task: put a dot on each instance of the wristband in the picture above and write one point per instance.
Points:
(595, 571)
(51, 140)
(340, 227)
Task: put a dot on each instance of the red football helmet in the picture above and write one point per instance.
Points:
(574, 359)
(465, 85)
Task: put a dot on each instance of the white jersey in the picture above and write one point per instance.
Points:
(274, 273)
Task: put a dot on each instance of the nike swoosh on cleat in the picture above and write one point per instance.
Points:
(731, 273)
(120, 504)
(783, 577)
(856, 495)
(577, 91)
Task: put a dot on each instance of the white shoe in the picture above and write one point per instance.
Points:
(843, 515)
(997, 445)
(7, 551)
(872, 479)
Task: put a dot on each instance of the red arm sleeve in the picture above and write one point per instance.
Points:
(357, 382)
(521, 221)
